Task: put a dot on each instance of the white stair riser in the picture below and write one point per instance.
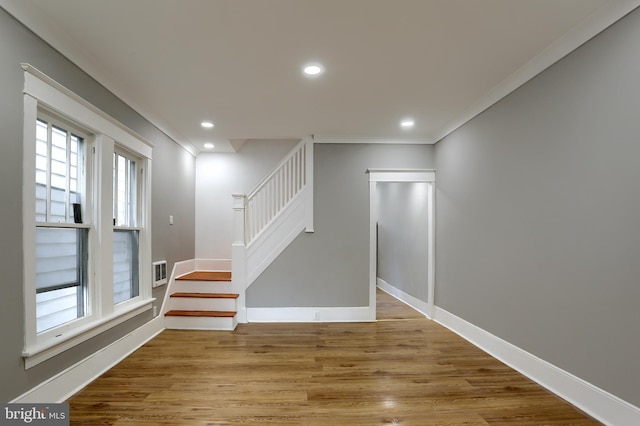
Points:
(201, 287)
(201, 304)
(200, 323)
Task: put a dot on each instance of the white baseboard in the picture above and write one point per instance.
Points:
(417, 304)
(338, 314)
(66, 383)
(598, 403)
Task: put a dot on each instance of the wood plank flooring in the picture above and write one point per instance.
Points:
(410, 372)
(390, 308)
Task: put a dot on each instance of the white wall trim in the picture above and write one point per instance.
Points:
(310, 314)
(369, 140)
(594, 401)
(415, 303)
(212, 265)
(66, 383)
(41, 91)
(62, 100)
(401, 175)
(309, 185)
(277, 236)
(179, 269)
(39, 353)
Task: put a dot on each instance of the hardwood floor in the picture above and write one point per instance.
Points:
(412, 372)
(390, 308)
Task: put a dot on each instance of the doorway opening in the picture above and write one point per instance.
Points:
(401, 238)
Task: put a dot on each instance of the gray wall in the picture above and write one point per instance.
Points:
(403, 236)
(331, 266)
(538, 214)
(218, 175)
(173, 184)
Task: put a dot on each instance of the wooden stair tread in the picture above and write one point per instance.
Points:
(206, 276)
(208, 295)
(212, 314)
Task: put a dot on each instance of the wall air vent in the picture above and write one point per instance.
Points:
(159, 273)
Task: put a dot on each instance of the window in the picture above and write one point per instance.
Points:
(59, 156)
(125, 232)
(61, 248)
(86, 206)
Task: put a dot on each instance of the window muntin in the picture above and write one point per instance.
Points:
(59, 154)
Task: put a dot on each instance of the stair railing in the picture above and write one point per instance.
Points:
(270, 203)
(277, 189)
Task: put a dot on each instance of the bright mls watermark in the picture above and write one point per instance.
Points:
(34, 414)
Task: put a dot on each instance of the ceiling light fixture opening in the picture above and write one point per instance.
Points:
(407, 123)
(207, 124)
(209, 145)
(313, 70)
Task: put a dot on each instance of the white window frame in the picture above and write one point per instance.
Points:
(87, 210)
(42, 92)
(139, 170)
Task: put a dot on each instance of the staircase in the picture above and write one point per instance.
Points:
(202, 300)
(266, 221)
(271, 216)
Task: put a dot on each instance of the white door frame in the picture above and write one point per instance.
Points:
(401, 175)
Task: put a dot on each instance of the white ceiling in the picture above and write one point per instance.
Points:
(238, 62)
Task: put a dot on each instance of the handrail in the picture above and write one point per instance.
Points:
(276, 168)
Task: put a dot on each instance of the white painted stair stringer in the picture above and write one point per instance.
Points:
(267, 246)
(268, 219)
(198, 304)
(179, 269)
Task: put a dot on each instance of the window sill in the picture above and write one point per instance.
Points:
(43, 351)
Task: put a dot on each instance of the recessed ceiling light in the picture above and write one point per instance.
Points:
(209, 145)
(206, 124)
(407, 123)
(313, 70)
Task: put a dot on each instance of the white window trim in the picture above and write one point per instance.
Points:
(141, 164)
(40, 91)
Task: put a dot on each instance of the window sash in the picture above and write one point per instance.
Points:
(61, 265)
(44, 95)
(124, 191)
(126, 276)
(61, 253)
(59, 171)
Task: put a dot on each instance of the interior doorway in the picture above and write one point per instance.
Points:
(401, 238)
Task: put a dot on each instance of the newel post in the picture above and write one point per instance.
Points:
(238, 218)
(309, 184)
(239, 255)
